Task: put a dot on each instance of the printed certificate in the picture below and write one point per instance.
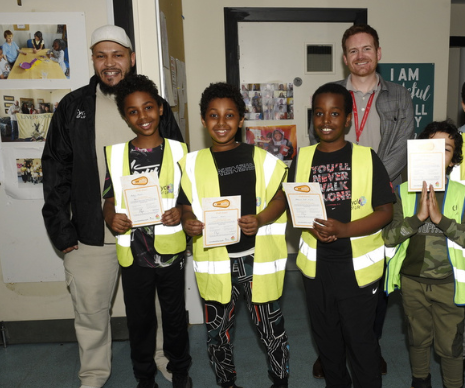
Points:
(143, 198)
(306, 203)
(220, 217)
(426, 158)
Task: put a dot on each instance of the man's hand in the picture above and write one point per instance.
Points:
(69, 249)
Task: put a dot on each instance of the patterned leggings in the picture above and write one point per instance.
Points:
(267, 318)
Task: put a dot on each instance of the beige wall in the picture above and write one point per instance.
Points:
(410, 32)
(47, 300)
(205, 63)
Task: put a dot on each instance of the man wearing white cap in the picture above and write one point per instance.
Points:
(73, 164)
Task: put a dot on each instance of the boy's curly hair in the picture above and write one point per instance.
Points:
(222, 90)
(135, 83)
(448, 127)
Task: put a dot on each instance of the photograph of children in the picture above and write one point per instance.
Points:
(29, 171)
(29, 114)
(38, 51)
(281, 141)
(268, 101)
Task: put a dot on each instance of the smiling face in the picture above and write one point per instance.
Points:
(361, 56)
(450, 147)
(112, 62)
(9, 39)
(142, 114)
(330, 121)
(222, 120)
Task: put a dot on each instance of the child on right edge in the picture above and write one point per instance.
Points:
(427, 235)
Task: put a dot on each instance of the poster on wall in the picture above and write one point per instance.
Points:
(268, 101)
(279, 140)
(418, 79)
(23, 170)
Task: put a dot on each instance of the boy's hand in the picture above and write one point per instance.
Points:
(433, 208)
(319, 237)
(119, 222)
(193, 227)
(423, 209)
(171, 217)
(249, 224)
(328, 228)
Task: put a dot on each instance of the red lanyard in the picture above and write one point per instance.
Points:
(359, 130)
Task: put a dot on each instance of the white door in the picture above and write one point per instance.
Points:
(276, 52)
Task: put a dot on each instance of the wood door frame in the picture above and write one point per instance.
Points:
(232, 17)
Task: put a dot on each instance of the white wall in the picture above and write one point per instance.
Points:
(410, 32)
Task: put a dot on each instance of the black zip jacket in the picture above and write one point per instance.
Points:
(73, 206)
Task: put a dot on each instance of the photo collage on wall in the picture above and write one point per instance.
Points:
(268, 101)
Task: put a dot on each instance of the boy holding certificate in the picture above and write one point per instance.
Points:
(231, 168)
(342, 257)
(426, 259)
(151, 257)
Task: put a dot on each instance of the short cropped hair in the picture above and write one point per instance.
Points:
(448, 127)
(135, 83)
(7, 33)
(357, 29)
(335, 89)
(222, 90)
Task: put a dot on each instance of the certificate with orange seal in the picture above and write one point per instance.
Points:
(426, 162)
(306, 203)
(142, 195)
(220, 217)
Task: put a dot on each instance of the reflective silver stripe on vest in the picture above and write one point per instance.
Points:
(213, 267)
(270, 267)
(275, 228)
(117, 160)
(190, 171)
(369, 258)
(307, 250)
(168, 203)
(390, 251)
(459, 274)
(268, 169)
(124, 240)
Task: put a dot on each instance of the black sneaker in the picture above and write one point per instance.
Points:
(147, 383)
(181, 381)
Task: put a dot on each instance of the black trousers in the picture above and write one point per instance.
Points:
(342, 316)
(139, 286)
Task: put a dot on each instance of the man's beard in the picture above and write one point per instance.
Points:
(107, 89)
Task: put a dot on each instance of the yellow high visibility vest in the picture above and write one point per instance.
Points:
(212, 265)
(367, 251)
(168, 239)
(454, 199)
